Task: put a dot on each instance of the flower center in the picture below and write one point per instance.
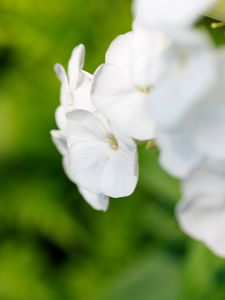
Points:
(112, 142)
(144, 90)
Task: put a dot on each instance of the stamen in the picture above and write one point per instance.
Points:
(151, 144)
(112, 142)
(144, 90)
(217, 25)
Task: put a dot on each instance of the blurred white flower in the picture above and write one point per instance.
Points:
(75, 88)
(169, 54)
(97, 200)
(167, 14)
(102, 159)
(184, 68)
(196, 133)
(201, 212)
(178, 155)
(117, 96)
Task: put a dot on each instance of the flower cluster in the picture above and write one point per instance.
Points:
(163, 82)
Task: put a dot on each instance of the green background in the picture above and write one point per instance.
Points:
(52, 244)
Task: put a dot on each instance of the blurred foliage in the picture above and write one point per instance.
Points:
(52, 244)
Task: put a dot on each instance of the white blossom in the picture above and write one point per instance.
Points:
(75, 88)
(179, 66)
(116, 94)
(169, 55)
(101, 158)
(198, 131)
(75, 94)
(201, 212)
(167, 14)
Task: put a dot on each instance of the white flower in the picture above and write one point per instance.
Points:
(75, 88)
(168, 56)
(148, 74)
(180, 64)
(201, 212)
(75, 94)
(117, 96)
(101, 158)
(167, 14)
(197, 133)
(184, 66)
(97, 200)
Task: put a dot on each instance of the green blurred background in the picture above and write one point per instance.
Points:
(53, 246)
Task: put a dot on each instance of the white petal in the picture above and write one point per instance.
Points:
(97, 201)
(84, 126)
(119, 52)
(122, 103)
(75, 66)
(120, 175)
(203, 218)
(177, 154)
(87, 162)
(208, 179)
(66, 167)
(217, 243)
(209, 134)
(60, 117)
(131, 113)
(188, 78)
(60, 72)
(208, 116)
(88, 151)
(148, 62)
(170, 13)
(59, 140)
(82, 94)
(109, 80)
(201, 213)
(65, 96)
